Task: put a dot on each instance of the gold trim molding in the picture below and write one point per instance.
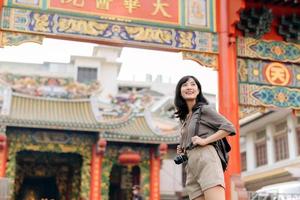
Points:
(14, 38)
(205, 59)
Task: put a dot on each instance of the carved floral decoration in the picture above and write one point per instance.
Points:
(39, 86)
(124, 103)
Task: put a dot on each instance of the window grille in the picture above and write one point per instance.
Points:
(261, 153)
(244, 161)
(281, 141)
(86, 75)
(281, 147)
(298, 138)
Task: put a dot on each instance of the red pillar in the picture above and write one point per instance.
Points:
(3, 154)
(96, 168)
(1, 5)
(154, 176)
(228, 83)
(1, 36)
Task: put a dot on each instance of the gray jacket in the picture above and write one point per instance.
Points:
(209, 118)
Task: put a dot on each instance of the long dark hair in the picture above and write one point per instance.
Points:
(179, 102)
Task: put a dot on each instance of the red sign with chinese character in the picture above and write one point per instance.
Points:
(160, 11)
(277, 74)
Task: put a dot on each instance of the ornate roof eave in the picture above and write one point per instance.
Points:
(110, 136)
(138, 130)
(93, 127)
(48, 124)
(116, 137)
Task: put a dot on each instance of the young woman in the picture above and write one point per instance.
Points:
(205, 178)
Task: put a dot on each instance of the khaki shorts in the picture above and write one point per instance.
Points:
(203, 170)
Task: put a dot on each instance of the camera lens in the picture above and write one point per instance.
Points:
(179, 159)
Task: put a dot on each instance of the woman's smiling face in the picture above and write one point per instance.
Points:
(189, 90)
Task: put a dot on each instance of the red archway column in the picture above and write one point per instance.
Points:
(96, 171)
(228, 83)
(154, 175)
(1, 5)
(3, 154)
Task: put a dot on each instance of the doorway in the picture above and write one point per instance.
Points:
(39, 188)
(121, 180)
(47, 175)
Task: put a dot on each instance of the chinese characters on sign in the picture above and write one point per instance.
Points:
(103, 4)
(187, 14)
(277, 74)
(268, 84)
(131, 4)
(77, 3)
(162, 11)
(159, 6)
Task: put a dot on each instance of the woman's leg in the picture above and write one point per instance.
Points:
(199, 198)
(217, 192)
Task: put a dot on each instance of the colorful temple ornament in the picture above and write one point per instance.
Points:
(101, 146)
(162, 149)
(129, 158)
(289, 27)
(53, 87)
(255, 22)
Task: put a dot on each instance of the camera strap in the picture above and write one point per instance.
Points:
(191, 146)
(198, 121)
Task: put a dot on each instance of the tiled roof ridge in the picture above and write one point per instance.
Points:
(18, 94)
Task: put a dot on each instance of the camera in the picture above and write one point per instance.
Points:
(181, 158)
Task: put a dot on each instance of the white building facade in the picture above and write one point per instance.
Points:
(270, 148)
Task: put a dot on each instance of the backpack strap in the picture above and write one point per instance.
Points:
(198, 121)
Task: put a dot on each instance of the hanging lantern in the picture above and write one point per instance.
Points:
(2, 142)
(129, 158)
(101, 146)
(163, 149)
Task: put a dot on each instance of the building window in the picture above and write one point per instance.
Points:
(261, 148)
(298, 120)
(298, 133)
(244, 161)
(298, 138)
(261, 153)
(281, 142)
(86, 75)
(281, 147)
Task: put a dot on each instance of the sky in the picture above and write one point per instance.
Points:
(136, 63)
